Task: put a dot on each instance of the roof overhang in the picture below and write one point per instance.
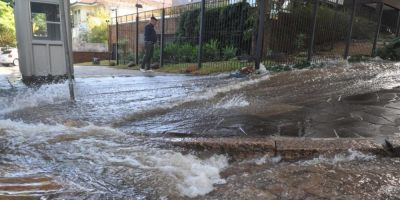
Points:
(83, 4)
(390, 3)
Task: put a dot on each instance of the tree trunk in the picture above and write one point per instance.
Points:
(267, 29)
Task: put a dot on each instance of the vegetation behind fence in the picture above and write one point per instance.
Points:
(231, 32)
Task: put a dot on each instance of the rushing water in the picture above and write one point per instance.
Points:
(107, 144)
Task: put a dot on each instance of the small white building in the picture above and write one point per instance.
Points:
(43, 40)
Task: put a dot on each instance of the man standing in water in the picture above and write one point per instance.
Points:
(150, 38)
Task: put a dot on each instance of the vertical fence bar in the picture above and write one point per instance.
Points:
(199, 55)
(162, 37)
(313, 28)
(117, 33)
(64, 27)
(137, 39)
(109, 43)
(351, 24)
(398, 23)
(378, 29)
(260, 33)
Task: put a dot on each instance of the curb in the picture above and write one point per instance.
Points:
(287, 147)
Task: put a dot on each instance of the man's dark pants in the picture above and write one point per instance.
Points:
(148, 54)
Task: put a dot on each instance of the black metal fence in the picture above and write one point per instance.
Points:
(231, 34)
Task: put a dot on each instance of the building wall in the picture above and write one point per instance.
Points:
(80, 57)
(128, 31)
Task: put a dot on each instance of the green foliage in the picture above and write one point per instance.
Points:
(278, 68)
(302, 65)
(294, 25)
(7, 25)
(131, 56)
(98, 26)
(391, 51)
(229, 52)
(188, 26)
(180, 52)
(300, 42)
(39, 25)
(123, 50)
(9, 2)
(211, 51)
(98, 34)
(235, 21)
(187, 53)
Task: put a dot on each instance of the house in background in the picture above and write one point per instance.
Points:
(82, 9)
(83, 50)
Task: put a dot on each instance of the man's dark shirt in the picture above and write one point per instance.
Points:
(150, 33)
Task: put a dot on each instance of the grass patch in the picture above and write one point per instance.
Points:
(186, 68)
(273, 67)
(107, 64)
(207, 67)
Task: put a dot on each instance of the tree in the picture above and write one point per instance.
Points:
(9, 2)
(7, 25)
(97, 26)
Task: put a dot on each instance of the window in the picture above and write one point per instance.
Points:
(45, 20)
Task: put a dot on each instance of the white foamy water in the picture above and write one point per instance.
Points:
(194, 176)
(351, 155)
(232, 102)
(33, 97)
(207, 94)
(266, 159)
(104, 147)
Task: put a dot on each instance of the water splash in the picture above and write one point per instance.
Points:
(105, 147)
(33, 97)
(350, 155)
(232, 102)
(207, 94)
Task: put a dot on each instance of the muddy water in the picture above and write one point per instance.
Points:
(107, 146)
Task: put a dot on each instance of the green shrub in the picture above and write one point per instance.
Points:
(156, 54)
(390, 51)
(300, 42)
(229, 52)
(187, 53)
(7, 25)
(211, 51)
(231, 20)
(180, 52)
(131, 56)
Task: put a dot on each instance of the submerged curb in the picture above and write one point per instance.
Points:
(289, 148)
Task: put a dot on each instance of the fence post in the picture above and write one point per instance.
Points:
(378, 28)
(313, 28)
(109, 43)
(260, 34)
(398, 23)
(334, 25)
(162, 37)
(117, 34)
(353, 12)
(200, 53)
(137, 39)
(64, 26)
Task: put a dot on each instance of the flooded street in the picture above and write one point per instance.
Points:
(114, 141)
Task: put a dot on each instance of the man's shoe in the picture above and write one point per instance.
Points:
(142, 70)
